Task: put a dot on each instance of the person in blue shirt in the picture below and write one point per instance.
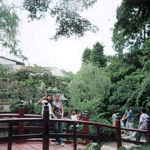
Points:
(129, 117)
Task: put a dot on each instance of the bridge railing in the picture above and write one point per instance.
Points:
(46, 134)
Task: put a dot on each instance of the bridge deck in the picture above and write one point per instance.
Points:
(38, 146)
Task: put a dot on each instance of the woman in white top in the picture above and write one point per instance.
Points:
(46, 99)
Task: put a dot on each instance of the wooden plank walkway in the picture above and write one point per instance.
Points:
(38, 146)
(53, 146)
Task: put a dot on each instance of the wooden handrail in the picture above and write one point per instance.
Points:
(75, 135)
(21, 118)
(17, 115)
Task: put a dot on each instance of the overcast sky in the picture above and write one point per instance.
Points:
(66, 53)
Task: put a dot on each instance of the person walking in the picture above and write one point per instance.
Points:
(142, 123)
(129, 118)
(58, 113)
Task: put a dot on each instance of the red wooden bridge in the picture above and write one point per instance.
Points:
(19, 139)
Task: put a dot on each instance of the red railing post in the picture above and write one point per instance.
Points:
(98, 134)
(148, 131)
(118, 132)
(21, 115)
(86, 126)
(46, 127)
(74, 136)
(10, 130)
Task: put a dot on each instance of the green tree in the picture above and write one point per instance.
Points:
(32, 83)
(129, 71)
(5, 77)
(86, 57)
(89, 87)
(97, 55)
(9, 22)
(132, 26)
(66, 13)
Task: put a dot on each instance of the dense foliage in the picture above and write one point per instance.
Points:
(95, 55)
(129, 69)
(89, 87)
(132, 27)
(30, 84)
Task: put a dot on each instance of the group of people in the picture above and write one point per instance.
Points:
(56, 111)
(128, 121)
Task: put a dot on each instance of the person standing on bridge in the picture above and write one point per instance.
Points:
(75, 116)
(142, 123)
(129, 117)
(114, 116)
(46, 99)
(58, 113)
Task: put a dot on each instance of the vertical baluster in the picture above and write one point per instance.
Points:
(118, 132)
(67, 131)
(86, 126)
(98, 134)
(74, 136)
(21, 115)
(46, 128)
(10, 130)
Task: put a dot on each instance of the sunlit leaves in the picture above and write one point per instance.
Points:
(66, 14)
(37, 8)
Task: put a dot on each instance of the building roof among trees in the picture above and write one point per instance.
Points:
(17, 62)
(56, 72)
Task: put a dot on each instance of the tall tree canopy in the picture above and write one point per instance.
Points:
(132, 26)
(90, 87)
(130, 72)
(86, 57)
(97, 55)
(94, 55)
(66, 13)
